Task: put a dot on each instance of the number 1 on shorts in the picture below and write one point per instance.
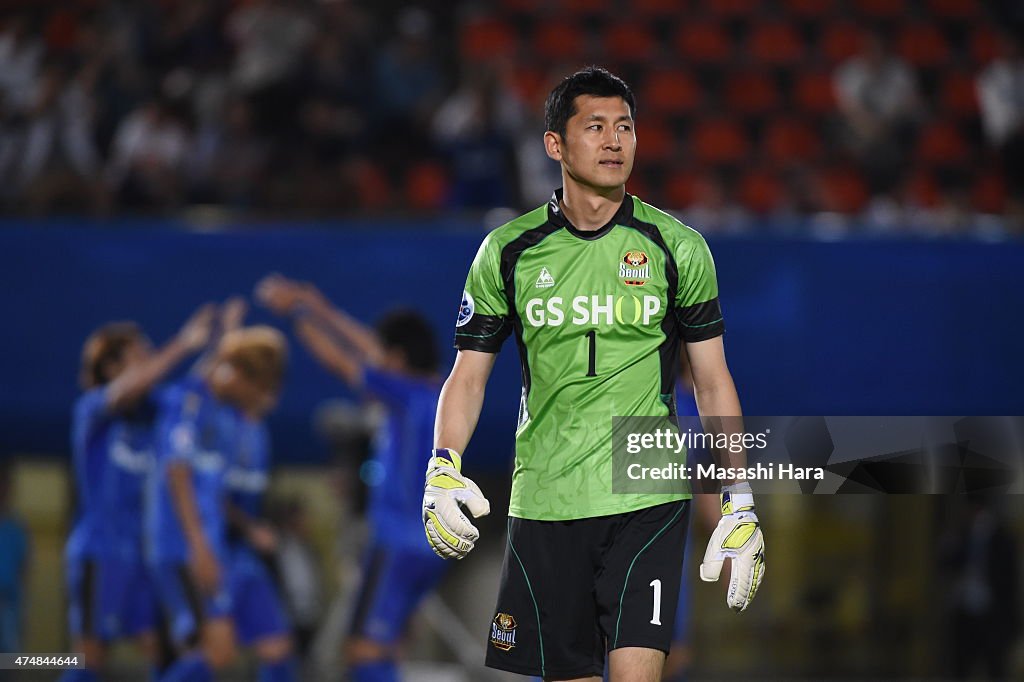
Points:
(656, 616)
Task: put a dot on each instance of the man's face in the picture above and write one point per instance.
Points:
(231, 385)
(599, 143)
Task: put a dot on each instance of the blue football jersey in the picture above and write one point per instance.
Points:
(112, 455)
(400, 451)
(196, 429)
(250, 471)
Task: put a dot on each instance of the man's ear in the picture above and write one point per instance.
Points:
(553, 145)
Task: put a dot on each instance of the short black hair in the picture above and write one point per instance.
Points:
(593, 80)
(408, 331)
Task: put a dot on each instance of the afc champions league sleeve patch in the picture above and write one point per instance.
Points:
(466, 309)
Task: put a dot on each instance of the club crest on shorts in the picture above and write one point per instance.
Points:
(635, 268)
(503, 632)
(466, 309)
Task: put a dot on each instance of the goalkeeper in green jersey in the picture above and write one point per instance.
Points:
(599, 289)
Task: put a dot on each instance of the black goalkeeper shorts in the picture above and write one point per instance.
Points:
(572, 590)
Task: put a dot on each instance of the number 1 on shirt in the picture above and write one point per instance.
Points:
(592, 361)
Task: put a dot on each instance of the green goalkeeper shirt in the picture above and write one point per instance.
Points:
(598, 317)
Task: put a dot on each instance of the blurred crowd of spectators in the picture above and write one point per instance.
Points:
(296, 106)
(333, 107)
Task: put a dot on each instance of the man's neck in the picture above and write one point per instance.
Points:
(588, 209)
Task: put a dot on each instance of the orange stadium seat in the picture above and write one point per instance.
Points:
(922, 189)
(751, 93)
(680, 189)
(942, 144)
(776, 43)
(658, 9)
(880, 9)
(670, 92)
(733, 9)
(559, 41)
(703, 42)
(656, 142)
(487, 39)
(984, 45)
(426, 186)
(815, 92)
(372, 187)
(954, 10)
(581, 8)
(629, 42)
(760, 191)
(639, 187)
(790, 139)
(809, 9)
(531, 84)
(840, 41)
(60, 30)
(719, 141)
(959, 95)
(843, 190)
(529, 7)
(923, 45)
(988, 195)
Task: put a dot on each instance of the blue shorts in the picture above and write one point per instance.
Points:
(394, 582)
(256, 604)
(183, 607)
(110, 598)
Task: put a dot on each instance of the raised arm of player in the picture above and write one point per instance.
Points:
(288, 297)
(231, 316)
(335, 357)
(449, 531)
(138, 379)
(353, 332)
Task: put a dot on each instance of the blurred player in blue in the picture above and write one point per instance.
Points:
(397, 366)
(205, 425)
(257, 609)
(111, 596)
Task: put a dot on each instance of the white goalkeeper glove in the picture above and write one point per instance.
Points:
(737, 537)
(449, 531)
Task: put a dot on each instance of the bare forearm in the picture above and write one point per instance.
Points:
(137, 381)
(184, 497)
(352, 331)
(329, 353)
(458, 411)
(719, 407)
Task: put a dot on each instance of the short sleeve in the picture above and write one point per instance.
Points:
(391, 389)
(90, 413)
(697, 308)
(483, 321)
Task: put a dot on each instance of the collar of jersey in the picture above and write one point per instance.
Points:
(556, 216)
